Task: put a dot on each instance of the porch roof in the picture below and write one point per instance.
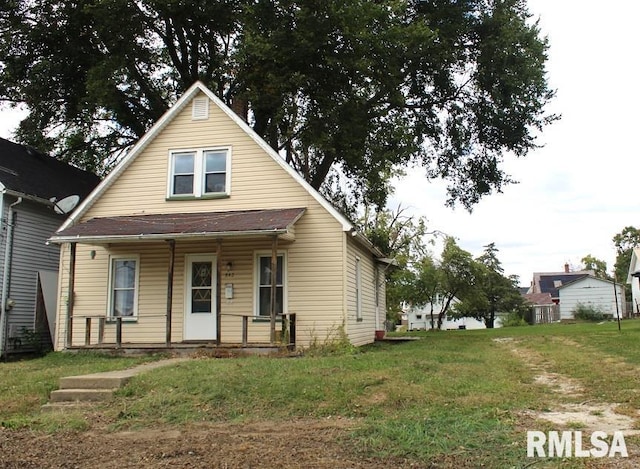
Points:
(181, 225)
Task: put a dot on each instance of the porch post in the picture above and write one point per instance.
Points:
(172, 255)
(70, 288)
(218, 288)
(274, 272)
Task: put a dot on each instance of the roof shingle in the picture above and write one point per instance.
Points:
(182, 224)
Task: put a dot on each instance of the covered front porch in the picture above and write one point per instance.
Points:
(178, 282)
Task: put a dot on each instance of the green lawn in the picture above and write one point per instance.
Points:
(455, 396)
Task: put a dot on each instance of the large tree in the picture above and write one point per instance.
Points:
(354, 87)
(491, 292)
(624, 242)
(401, 238)
(457, 276)
(598, 266)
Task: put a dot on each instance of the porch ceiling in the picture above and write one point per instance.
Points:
(181, 225)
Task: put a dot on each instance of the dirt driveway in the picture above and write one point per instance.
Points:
(298, 444)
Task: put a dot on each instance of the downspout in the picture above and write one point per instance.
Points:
(6, 277)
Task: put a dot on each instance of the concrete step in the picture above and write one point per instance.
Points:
(80, 395)
(62, 407)
(96, 381)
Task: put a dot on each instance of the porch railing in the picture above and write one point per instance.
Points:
(287, 331)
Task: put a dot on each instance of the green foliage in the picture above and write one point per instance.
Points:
(335, 342)
(589, 313)
(491, 292)
(598, 266)
(624, 242)
(399, 237)
(33, 340)
(513, 319)
(358, 87)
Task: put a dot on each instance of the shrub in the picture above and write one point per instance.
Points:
(588, 313)
(513, 319)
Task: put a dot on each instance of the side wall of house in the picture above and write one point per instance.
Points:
(361, 328)
(33, 225)
(314, 260)
(590, 292)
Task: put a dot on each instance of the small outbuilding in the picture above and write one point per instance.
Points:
(603, 295)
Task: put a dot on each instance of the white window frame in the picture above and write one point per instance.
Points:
(199, 173)
(256, 281)
(111, 286)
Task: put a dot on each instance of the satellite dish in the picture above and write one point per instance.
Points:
(65, 205)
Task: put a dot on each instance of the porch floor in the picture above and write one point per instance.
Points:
(185, 349)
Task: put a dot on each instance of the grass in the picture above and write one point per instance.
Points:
(26, 383)
(457, 397)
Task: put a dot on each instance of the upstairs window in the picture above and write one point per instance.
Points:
(199, 173)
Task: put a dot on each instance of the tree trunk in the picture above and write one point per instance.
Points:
(490, 320)
(432, 320)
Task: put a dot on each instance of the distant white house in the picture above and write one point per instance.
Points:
(591, 291)
(420, 319)
(634, 280)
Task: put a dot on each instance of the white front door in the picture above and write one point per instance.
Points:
(200, 297)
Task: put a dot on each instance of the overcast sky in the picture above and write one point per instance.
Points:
(577, 192)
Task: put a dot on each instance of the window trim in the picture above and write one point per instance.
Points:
(111, 286)
(256, 282)
(199, 173)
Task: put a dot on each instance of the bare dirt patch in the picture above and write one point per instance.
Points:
(321, 443)
(587, 416)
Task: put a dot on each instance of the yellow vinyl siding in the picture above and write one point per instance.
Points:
(315, 260)
(360, 332)
(257, 182)
(313, 286)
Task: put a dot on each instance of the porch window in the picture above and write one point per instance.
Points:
(199, 173)
(123, 287)
(264, 285)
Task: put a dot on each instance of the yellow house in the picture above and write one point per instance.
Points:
(177, 244)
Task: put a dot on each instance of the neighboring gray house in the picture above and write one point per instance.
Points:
(36, 194)
(591, 291)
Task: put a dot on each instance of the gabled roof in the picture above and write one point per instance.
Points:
(549, 282)
(26, 171)
(181, 225)
(580, 279)
(186, 98)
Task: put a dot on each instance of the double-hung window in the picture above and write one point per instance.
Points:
(123, 287)
(199, 173)
(263, 300)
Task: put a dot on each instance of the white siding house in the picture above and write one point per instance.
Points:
(634, 280)
(594, 292)
(420, 318)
